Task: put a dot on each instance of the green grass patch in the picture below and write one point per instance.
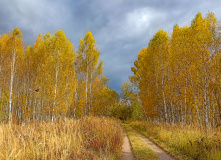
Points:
(140, 148)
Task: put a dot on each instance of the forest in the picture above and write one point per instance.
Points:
(56, 102)
(50, 79)
(178, 75)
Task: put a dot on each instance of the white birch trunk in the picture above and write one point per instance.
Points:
(75, 97)
(55, 92)
(90, 104)
(185, 99)
(165, 106)
(162, 86)
(197, 109)
(11, 84)
(143, 108)
(213, 114)
(171, 108)
(164, 100)
(205, 104)
(206, 98)
(85, 110)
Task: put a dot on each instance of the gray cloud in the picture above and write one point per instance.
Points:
(121, 27)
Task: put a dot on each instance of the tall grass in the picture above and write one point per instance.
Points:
(186, 141)
(87, 138)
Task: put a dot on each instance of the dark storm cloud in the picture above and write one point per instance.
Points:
(32, 17)
(121, 27)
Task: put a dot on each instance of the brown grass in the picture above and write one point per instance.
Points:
(186, 142)
(87, 138)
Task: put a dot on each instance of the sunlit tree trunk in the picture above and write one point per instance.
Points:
(197, 109)
(163, 92)
(206, 98)
(185, 99)
(55, 92)
(11, 83)
(86, 92)
(75, 96)
(171, 108)
(90, 103)
(213, 112)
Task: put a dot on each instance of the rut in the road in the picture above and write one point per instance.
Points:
(127, 151)
(162, 155)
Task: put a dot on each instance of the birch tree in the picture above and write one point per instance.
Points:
(15, 49)
(90, 56)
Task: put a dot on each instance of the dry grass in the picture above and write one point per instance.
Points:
(184, 141)
(87, 138)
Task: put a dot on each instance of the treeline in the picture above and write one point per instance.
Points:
(178, 75)
(50, 79)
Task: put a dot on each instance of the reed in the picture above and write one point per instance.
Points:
(86, 138)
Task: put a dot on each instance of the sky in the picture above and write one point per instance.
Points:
(121, 27)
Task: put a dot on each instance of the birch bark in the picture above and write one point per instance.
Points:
(11, 84)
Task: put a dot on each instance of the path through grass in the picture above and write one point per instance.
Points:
(183, 141)
(140, 148)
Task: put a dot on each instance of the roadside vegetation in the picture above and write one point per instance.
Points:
(186, 142)
(175, 88)
(50, 95)
(86, 138)
(140, 148)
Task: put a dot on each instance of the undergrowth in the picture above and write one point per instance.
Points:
(88, 138)
(185, 141)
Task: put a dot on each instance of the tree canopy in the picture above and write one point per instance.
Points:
(178, 74)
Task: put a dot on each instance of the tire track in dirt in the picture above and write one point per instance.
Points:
(126, 151)
(162, 155)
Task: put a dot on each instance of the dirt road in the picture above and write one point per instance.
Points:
(127, 152)
(162, 155)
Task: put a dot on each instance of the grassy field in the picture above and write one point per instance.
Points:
(87, 138)
(140, 148)
(184, 141)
